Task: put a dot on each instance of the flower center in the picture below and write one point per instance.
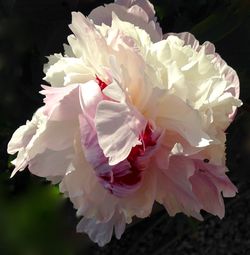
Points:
(126, 176)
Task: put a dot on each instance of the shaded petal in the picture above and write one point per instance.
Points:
(208, 194)
(139, 13)
(175, 197)
(23, 135)
(51, 163)
(101, 232)
(120, 179)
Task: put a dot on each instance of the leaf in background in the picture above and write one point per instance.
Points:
(7, 5)
(222, 22)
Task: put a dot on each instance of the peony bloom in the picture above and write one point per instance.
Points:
(131, 118)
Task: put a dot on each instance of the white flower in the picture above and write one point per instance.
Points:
(130, 119)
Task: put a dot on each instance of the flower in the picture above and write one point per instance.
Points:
(131, 118)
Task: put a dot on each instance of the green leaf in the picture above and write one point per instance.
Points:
(222, 22)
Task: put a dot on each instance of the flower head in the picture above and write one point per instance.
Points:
(131, 118)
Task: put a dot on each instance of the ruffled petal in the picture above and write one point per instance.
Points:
(208, 182)
(175, 189)
(208, 194)
(61, 103)
(61, 71)
(139, 13)
(101, 232)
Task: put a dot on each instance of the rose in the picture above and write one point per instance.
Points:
(130, 119)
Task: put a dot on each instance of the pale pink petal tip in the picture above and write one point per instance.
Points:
(139, 13)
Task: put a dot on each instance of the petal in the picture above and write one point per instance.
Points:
(144, 4)
(52, 136)
(208, 194)
(217, 174)
(177, 116)
(61, 103)
(87, 37)
(22, 136)
(120, 179)
(175, 197)
(51, 163)
(101, 232)
(179, 171)
(229, 73)
(121, 124)
(59, 71)
(20, 162)
(90, 97)
(114, 92)
(139, 13)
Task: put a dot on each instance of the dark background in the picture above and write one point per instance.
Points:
(34, 218)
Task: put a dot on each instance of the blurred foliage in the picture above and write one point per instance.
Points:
(34, 218)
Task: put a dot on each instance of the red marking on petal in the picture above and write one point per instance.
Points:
(125, 177)
(101, 83)
(133, 177)
(146, 140)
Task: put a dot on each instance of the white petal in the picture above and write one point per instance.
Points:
(176, 115)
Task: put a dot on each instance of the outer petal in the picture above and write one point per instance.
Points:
(101, 232)
(88, 43)
(84, 190)
(144, 4)
(175, 189)
(139, 13)
(208, 194)
(21, 137)
(61, 103)
(61, 71)
(208, 182)
(41, 141)
(228, 72)
(51, 163)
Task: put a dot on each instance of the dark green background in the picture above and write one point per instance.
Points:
(34, 218)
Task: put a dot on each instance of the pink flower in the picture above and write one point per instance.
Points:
(130, 119)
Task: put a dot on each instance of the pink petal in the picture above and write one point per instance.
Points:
(90, 96)
(217, 174)
(119, 179)
(121, 124)
(61, 103)
(207, 194)
(145, 5)
(208, 182)
(139, 13)
(101, 232)
(174, 190)
(51, 163)
(23, 135)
